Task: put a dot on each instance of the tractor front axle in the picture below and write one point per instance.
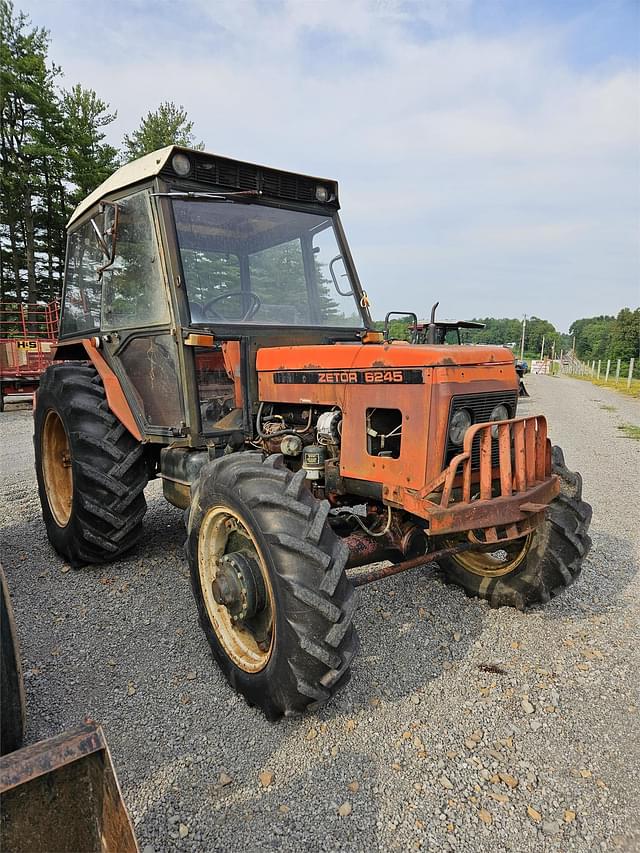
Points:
(362, 578)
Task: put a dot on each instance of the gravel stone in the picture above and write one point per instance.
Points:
(550, 827)
(182, 737)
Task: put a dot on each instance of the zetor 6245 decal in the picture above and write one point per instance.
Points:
(347, 377)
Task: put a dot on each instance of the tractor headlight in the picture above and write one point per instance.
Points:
(181, 165)
(500, 413)
(460, 423)
(322, 194)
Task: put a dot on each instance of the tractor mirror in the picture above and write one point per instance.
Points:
(108, 239)
(386, 330)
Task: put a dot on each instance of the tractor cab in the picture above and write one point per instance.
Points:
(183, 264)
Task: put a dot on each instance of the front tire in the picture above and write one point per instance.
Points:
(549, 559)
(12, 700)
(259, 541)
(91, 471)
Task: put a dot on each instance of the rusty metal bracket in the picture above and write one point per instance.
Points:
(62, 794)
(363, 578)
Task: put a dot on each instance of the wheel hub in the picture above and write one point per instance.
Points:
(238, 586)
(56, 468)
(496, 561)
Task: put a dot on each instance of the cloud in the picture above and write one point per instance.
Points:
(482, 166)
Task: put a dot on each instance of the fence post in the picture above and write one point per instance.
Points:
(593, 367)
(618, 371)
(606, 378)
(599, 363)
(630, 373)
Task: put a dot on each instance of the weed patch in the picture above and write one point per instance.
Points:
(631, 431)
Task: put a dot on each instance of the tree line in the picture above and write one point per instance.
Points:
(54, 152)
(604, 337)
(607, 337)
(592, 338)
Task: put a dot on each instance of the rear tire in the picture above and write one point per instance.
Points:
(554, 557)
(311, 642)
(93, 501)
(12, 701)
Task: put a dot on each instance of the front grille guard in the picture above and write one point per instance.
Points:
(524, 459)
(524, 466)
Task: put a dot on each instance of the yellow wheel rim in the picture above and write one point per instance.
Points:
(56, 468)
(494, 564)
(223, 531)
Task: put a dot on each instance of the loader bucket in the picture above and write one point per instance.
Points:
(62, 794)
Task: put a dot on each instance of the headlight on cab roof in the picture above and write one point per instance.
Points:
(181, 165)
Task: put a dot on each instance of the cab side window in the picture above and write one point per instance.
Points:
(83, 289)
(133, 289)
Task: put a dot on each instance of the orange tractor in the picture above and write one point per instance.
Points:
(214, 333)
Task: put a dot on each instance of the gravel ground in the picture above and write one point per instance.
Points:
(426, 748)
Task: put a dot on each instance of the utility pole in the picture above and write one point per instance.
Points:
(524, 326)
(542, 349)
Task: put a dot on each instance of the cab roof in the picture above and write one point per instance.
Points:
(131, 173)
(214, 169)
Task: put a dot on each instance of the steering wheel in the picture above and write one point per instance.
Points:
(254, 305)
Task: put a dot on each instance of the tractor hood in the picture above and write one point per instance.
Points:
(378, 356)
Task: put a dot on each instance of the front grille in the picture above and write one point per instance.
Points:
(480, 406)
(288, 186)
(223, 173)
(232, 175)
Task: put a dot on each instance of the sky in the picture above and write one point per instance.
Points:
(488, 151)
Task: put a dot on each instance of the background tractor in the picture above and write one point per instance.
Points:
(214, 333)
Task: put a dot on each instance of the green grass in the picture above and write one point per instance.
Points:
(609, 408)
(631, 431)
(620, 386)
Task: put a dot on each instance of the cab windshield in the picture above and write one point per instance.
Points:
(249, 263)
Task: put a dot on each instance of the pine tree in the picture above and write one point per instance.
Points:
(90, 160)
(29, 123)
(168, 125)
(53, 154)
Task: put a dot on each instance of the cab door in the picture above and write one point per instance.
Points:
(136, 320)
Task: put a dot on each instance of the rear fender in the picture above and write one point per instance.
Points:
(118, 404)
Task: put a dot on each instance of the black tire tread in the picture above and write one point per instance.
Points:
(555, 559)
(12, 697)
(109, 470)
(309, 561)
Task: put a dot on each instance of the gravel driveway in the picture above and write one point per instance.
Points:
(462, 728)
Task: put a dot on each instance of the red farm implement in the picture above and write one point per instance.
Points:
(27, 336)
